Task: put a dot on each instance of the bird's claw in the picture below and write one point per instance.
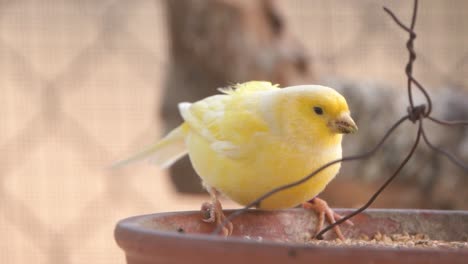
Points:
(323, 210)
(208, 212)
(213, 213)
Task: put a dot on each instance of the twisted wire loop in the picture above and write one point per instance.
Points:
(380, 190)
(416, 114)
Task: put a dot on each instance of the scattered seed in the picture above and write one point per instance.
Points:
(403, 240)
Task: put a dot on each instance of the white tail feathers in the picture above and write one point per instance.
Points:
(164, 153)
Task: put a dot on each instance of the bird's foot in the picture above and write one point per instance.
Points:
(213, 213)
(323, 210)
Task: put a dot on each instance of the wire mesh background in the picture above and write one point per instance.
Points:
(80, 86)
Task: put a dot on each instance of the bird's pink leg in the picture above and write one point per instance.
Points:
(213, 212)
(323, 210)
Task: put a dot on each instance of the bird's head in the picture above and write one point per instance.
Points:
(313, 111)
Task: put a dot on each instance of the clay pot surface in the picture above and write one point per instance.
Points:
(281, 237)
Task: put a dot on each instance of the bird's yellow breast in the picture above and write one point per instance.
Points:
(270, 164)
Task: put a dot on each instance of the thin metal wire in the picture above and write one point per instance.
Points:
(415, 114)
(399, 23)
(449, 123)
(439, 150)
(412, 53)
(380, 190)
(425, 93)
(412, 57)
(413, 18)
(365, 155)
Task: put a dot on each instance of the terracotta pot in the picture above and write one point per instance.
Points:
(279, 237)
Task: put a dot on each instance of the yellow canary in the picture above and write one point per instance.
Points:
(256, 136)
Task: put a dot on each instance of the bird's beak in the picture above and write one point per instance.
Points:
(344, 124)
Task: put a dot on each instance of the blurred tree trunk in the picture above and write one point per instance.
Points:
(215, 43)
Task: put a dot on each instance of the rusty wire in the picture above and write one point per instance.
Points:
(416, 114)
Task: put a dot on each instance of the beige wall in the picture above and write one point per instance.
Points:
(79, 87)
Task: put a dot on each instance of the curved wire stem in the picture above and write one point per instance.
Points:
(376, 194)
(365, 155)
(411, 57)
(399, 23)
(447, 154)
(425, 93)
(448, 123)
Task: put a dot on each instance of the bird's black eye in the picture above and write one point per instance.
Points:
(318, 110)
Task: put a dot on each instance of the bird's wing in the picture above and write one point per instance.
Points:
(227, 122)
(249, 87)
(164, 153)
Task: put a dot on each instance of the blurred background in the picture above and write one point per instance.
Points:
(85, 83)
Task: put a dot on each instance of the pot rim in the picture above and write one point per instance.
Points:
(131, 227)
